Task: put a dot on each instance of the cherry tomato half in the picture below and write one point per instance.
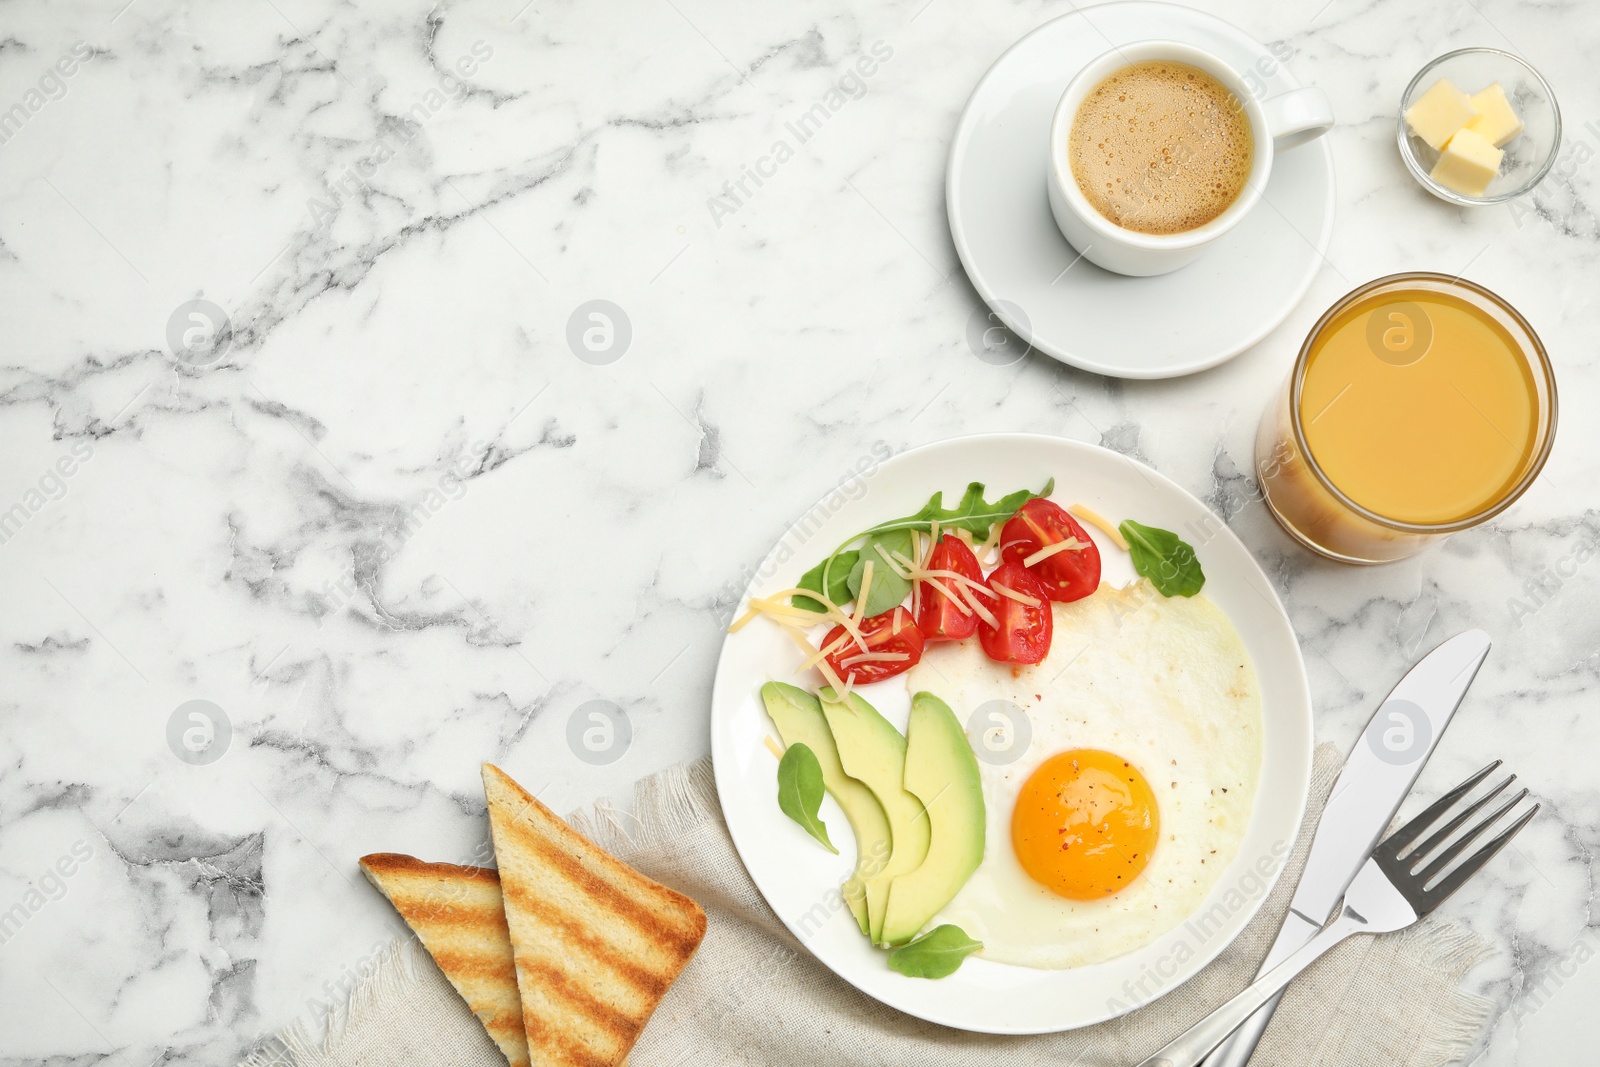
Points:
(892, 632)
(1023, 633)
(937, 617)
(1068, 575)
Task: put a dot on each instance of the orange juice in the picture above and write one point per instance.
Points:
(1419, 407)
(1420, 404)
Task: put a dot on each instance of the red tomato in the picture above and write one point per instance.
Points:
(937, 617)
(1067, 575)
(893, 631)
(1023, 633)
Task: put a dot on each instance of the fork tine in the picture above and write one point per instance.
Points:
(1397, 841)
(1449, 828)
(1444, 858)
(1469, 867)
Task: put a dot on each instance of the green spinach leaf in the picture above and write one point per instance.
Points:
(936, 954)
(800, 791)
(888, 588)
(1164, 558)
(838, 589)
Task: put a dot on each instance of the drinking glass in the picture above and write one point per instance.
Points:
(1307, 503)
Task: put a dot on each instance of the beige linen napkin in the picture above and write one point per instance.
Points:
(754, 995)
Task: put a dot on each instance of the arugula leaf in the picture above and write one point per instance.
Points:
(888, 588)
(800, 791)
(838, 589)
(1164, 558)
(936, 954)
(972, 513)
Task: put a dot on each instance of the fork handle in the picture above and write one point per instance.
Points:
(1195, 1043)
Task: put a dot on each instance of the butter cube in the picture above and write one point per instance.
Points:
(1439, 113)
(1496, 121)
(1468, 164)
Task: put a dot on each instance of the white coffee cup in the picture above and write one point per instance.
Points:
(1277, 123)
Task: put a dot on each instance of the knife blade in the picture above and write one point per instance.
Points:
(1376, 778)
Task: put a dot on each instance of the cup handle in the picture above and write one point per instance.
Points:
(1298, 116)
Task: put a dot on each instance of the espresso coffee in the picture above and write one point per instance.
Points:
(1160, 147)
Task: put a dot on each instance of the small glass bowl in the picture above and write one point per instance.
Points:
(1529, 155)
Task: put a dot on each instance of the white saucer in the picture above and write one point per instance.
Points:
(1179, 323)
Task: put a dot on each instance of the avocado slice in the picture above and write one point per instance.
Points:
(873, 752)
(942, 772)
(798, 716)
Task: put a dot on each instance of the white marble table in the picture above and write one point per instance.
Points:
(397, 527)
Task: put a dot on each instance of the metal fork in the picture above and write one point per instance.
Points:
(1391, 891)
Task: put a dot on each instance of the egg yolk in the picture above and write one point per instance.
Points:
(1085, 824)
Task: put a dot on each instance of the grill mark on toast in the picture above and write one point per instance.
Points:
(651, 923)
(549, 1037)
(506, 1019)
(457, 915)
(564, 848)
(474, 965)
(552, 981)
(646, 982)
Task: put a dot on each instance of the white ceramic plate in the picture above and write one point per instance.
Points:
(1178, 323)
(801, 880)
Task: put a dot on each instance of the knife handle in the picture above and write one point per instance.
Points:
(1237, 1049)
(1190, 1047)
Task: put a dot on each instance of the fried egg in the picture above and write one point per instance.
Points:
(1118, 774)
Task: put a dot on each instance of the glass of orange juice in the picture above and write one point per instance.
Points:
(1420, 404)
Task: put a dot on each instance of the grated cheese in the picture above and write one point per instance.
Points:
(960, 579)
(988, 550)
(743, 620)
(773, 747)
(791, 617)
(961, 605)
(821, 653)
(891, 561)
(827, 671)
(875, 657)
(1095, 519)
(1071, 544)
(978, 609)
(966, 602)
(861, 597)
(783, 613)
(1021, 598)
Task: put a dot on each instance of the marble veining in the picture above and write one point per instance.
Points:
(323, 482)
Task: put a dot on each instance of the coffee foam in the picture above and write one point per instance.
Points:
(1160, 147)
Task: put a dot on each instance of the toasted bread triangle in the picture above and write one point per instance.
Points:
(458, 915)
(596, 943)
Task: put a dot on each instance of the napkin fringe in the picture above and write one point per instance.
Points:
(1452, 950)
(665, 806)
(392, 974)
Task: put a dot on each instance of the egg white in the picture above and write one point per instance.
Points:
(1164, 682)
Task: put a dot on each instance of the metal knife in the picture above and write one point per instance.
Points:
(1376, 777)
